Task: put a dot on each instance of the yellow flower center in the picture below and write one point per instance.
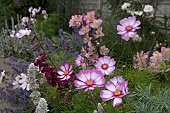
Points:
(27, 80)
(89, 82)
(84, 30)
(104, 66)
(166, 53)
(78, 23)
(157, 57)
(117, 92)
(66, 73)
(96, 23)
(90, 16)
(128, 28)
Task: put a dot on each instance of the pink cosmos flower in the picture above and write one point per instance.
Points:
(76, 20)
(65, 72)
(117, 87)
(84, 30)
(104, 50)
(89, 79)
(96, 23)
(128, 27)
(89, 17)
(105, 64)
(79, 60)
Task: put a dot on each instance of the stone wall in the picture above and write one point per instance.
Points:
(163, 7)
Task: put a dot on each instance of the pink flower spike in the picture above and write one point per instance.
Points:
(65, 71)
(105, 64)
(117, 87)
(127, 27)
(89, 79)
(84, 30)
(96, 23)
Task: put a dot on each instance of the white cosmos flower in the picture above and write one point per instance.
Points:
(24, 81)
(125, 6)
(138, 13)
(148, 9)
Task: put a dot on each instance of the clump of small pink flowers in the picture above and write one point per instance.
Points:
(158, 62)
(89, 79)
(105, 64)
(127, 27)
(140, 60)
(116, 88)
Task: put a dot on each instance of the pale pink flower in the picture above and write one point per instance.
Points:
(105, 64)
(140, 60)
(89, 17)
(79, 60)
(99, 33)
(165, 53)
(15, 83)
(34, 11)
(44, 12)
(30, 9)
(93, 57)
(87, 39)
(92, 50)
(89, 79)
(39, 9)
(25, 20)
(23, 32)
(76, 20)
(96, 23)
(104, 50)
(84, 30)
(65, 71)
(128, 27)
(156, 57)
(117, 87)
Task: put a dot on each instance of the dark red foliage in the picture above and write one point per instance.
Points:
(36, 47)
(50, 73)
